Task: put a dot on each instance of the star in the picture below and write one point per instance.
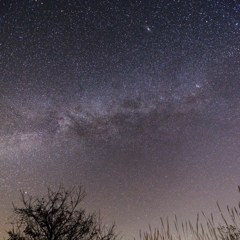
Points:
(148, 28)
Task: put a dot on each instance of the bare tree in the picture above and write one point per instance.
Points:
(58, 216)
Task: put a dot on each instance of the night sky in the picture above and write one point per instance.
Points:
(138, 101)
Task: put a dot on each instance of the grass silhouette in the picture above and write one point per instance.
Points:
(205, 227)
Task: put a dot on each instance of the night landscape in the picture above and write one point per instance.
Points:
(135, 103)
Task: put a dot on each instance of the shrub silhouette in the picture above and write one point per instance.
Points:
(58, 216)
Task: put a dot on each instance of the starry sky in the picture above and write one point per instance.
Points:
(138, 101)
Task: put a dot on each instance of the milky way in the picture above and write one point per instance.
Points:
(138, 101)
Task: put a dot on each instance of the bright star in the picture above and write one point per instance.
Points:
(148, 29)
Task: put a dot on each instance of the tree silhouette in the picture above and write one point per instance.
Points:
(58, 216)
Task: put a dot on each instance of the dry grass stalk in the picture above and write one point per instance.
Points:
(204, 229)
